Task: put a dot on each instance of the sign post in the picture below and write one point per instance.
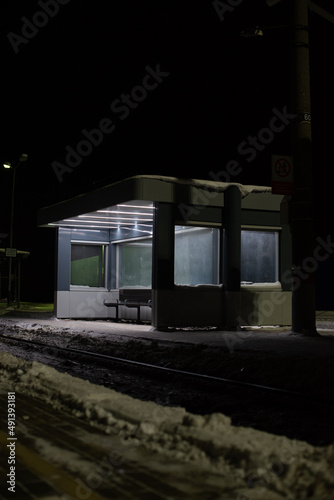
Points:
(11, 252)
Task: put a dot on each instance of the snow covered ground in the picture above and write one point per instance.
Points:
(242, 463)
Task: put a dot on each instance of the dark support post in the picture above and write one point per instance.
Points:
(232, 246)
(232, 255)
(18, 282)
(302, 204)
(10, 262)
(163, 265)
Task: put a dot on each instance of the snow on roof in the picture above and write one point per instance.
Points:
(213, 185)
(139, 187)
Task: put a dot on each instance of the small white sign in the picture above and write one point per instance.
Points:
(11, 252)
(282, 174)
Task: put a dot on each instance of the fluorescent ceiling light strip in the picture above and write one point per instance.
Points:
(121, 212)
(83, 223)
(113, 218)
(122, 224)
(137, 230)
(145, 207)
(62, 224)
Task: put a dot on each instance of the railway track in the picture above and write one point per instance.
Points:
(185, 373)
(297, 415)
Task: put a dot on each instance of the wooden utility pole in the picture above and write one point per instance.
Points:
(302, 203)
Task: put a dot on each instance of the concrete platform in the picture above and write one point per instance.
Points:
(275, 339)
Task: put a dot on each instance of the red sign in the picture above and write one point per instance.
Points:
(282, 181)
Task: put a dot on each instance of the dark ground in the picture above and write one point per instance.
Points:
(303, 365)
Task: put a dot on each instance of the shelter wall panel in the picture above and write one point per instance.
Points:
(62, 304)
(265, 308)
(89, 304)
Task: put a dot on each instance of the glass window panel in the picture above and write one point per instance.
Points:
(259, 256)
(135, 264)
(88, 265)
(196, 256)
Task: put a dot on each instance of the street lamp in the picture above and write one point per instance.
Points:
(9, 251)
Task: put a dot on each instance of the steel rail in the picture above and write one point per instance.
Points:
(171, 370)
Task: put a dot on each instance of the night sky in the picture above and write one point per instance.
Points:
(171, 84)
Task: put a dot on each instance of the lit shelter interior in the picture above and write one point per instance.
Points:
(188, 253)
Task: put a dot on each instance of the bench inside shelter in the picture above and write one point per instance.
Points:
(132, 298)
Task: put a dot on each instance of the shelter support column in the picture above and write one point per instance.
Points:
(163, 265)
(232, 256)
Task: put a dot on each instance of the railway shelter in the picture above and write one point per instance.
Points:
(173, 252)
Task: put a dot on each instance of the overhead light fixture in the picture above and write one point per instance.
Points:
(145, 207)
(106, 220)
(252, 32)
(121, 212)
(7, 164)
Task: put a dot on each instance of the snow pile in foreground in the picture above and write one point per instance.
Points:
(282, 467)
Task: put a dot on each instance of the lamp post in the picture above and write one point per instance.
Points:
(8, 165)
